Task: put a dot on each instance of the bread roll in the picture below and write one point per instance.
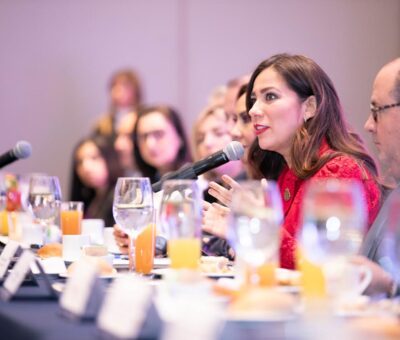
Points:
(262, 302)
(214, 264)
(376, 327)
(50, 250)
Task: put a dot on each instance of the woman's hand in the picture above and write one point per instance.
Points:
(215, 219)
(121, 239)
(221, 193)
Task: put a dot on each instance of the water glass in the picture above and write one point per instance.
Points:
(334, 221)
(255, 221)
(44, 199)
(133, 211)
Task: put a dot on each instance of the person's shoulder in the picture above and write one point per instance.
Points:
(343, 166)
(103, 125)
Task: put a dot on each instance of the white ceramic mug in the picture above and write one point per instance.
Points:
(345, 279)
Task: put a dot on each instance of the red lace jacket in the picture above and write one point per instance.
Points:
(292, 191)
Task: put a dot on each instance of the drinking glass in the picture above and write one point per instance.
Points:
(255, 220)
(334, 220)
(133, 211)
(44, 199)
(180, 219)
(71, 217)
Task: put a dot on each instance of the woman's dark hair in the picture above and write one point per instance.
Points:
(242, 90)
(183, 154)
(79, 191)
(306, 78)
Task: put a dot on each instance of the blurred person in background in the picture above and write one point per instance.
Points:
(241, 130)
(211, 134)
(160, 146)
(302, 135)
(118, 123)
(384, 126)
(232, 89)
(125, 97)
(123, 145)
(159, 141)
(95, 170)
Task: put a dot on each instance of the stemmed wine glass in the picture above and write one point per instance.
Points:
(334, 220)
(44, 200)
(255, 221)
(133, 208)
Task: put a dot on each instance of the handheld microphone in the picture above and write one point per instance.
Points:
(21, 150)
(232, 152)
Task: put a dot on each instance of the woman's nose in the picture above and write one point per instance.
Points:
(255, 110)
(236, 133)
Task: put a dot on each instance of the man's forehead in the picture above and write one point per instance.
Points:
(383, 85)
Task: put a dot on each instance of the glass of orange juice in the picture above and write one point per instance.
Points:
(71, 217)
(144, 249)
(180, 219)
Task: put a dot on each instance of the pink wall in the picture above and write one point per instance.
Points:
(56, 57)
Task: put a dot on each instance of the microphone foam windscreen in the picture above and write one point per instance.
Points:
(234, 150)
(22, 149)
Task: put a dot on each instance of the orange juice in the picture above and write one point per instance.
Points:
(312, 277)
(71, 222)
(184, 253)
(144, 250)
(4, 223)
(266, 274)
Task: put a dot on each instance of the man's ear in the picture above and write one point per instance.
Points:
(309, 108)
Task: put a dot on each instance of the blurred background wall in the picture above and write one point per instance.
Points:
(56, 58)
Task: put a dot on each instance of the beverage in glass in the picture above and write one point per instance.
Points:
(71, 217)
(180, 219)
(254, 231)
(133, 212)
(44, 199)
(144, 249)
(334, 219)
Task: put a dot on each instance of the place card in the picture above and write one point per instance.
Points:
(83, 292)
(51, 265)
(20, 271)
(9, 251)
(126, 307)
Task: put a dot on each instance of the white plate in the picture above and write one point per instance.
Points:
(123, 263)
(111, 276)
(265, 317)
(164, 271)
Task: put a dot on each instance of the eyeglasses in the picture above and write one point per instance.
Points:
(376, 109)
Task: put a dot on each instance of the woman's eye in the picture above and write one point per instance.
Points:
(234, 119)
(270, 96)
(244, 116)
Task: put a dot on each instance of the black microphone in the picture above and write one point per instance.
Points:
(21, 150)
(232, 152)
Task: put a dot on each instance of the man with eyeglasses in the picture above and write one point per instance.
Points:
(384, 126)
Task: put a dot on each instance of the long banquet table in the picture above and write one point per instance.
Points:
(32, 315)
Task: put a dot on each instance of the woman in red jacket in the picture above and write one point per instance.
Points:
(302, 135)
